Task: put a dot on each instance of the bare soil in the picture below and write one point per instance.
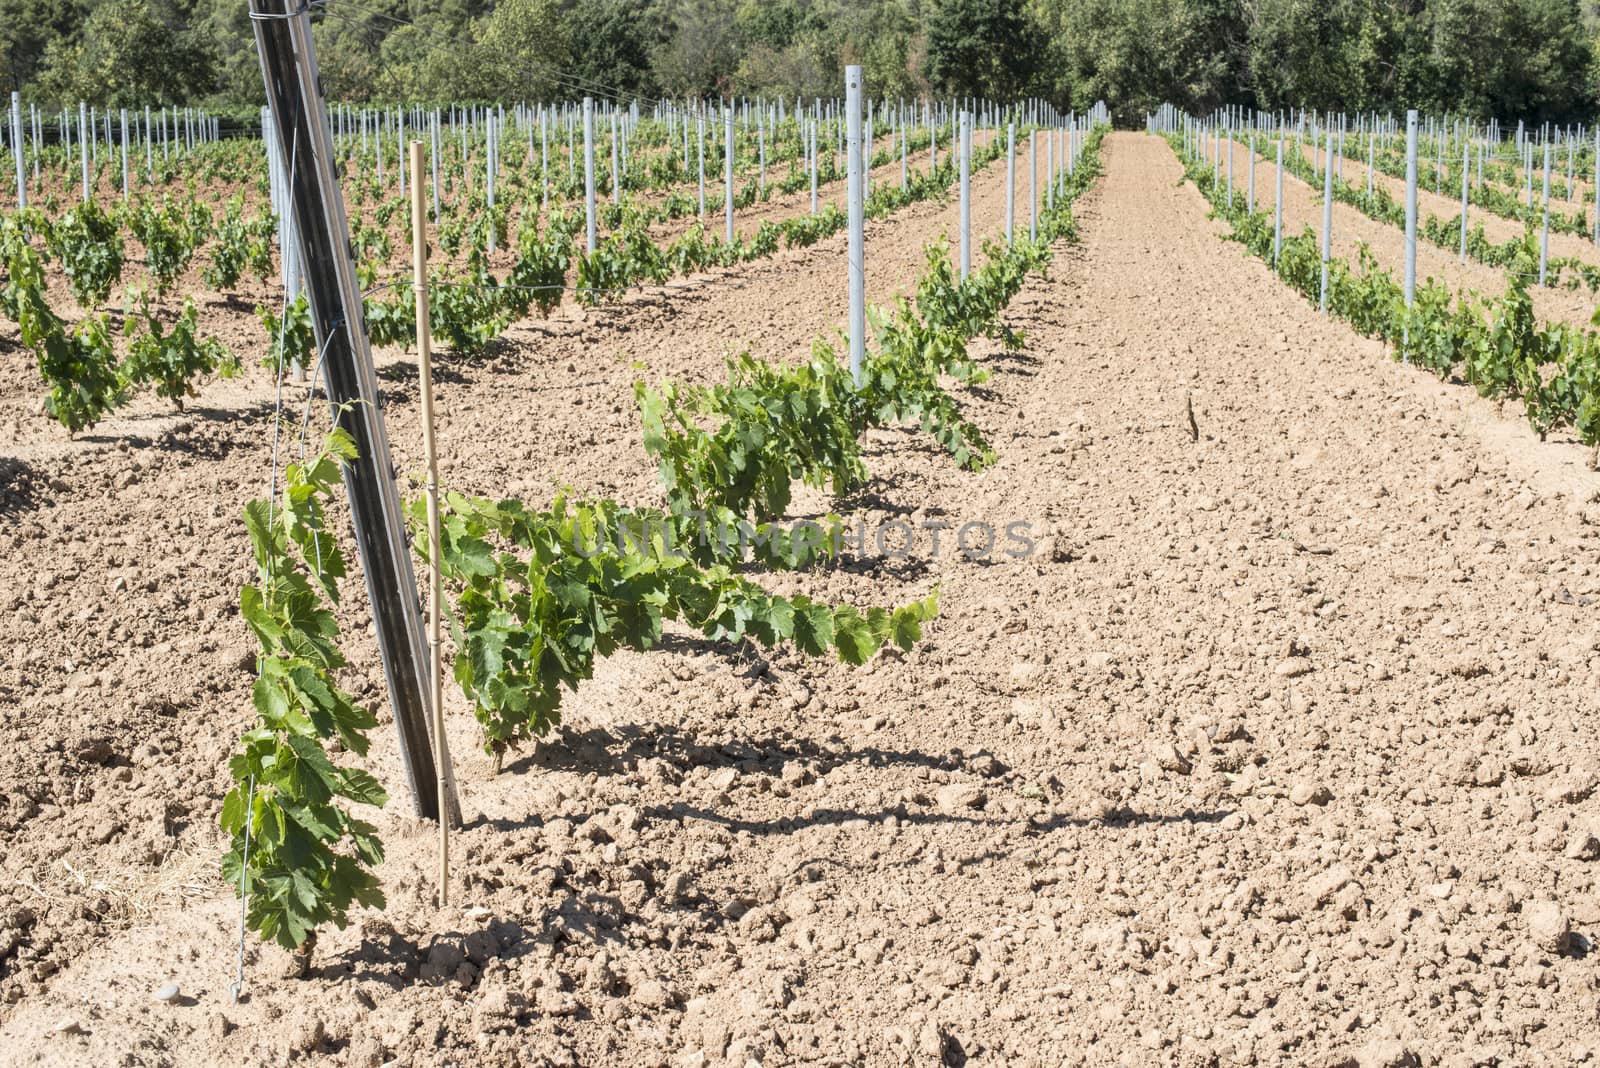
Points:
(1278, 749)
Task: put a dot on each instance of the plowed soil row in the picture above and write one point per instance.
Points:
(1302, 207)
(1276, 749)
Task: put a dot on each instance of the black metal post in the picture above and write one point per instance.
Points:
(294, 93)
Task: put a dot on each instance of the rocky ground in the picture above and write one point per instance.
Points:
(1277, 749)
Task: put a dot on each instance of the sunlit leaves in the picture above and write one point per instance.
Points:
(585, 578)
(307, 856)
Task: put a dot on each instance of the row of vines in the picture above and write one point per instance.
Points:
(1496, 345)
(539, 595)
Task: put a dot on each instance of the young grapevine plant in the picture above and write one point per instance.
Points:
(307, 860)
(774, 425)
(169, 236)
(88, 242)
(292, 340)
(543, 594)
(172, 359)
(78, 364)
(240, 244)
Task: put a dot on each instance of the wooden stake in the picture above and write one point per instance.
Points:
(419, 274)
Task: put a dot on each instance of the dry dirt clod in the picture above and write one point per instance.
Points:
(960, 797)
(1293, 667)
(1548, 926)
(308, 1035)
(1583, 845)
(1324, 886)
(1386, 1053)
(1168, 758)
(1306, 793)
(653, 994)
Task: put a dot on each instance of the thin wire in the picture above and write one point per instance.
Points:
(404, 281)
(731, 278)
(311, 392)
(283, 16)
(236, 988)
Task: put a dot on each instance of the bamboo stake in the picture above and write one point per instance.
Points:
(419, 272)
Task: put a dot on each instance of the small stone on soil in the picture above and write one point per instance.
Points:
(959, 797)
(1548, 926)
(1305, 793)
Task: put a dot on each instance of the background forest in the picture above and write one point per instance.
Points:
(1509, 58)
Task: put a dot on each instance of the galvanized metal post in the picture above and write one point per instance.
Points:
(124, 113)
(433, 161)
(1544, 230)
(1277, 206)
(1228, 140)
(83, 145)
(856, 252)
(1049, 169)
(491, 156)
(1033, 184)
(1371, 150)
(727, 169)
(1327, 217)
(813, 155)
(22, 166)
(1250, 197)
(1411, 208)
(966, 194)
(591, 238)
(905, 149)
(289, 69)
(1011, 181)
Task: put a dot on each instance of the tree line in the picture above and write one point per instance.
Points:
(1533, 59)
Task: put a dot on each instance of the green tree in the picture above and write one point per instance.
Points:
(790, 47)
(702, 50)
(26, 29)
(1522, 58)
(1530, 59)
(980, 48)
(524, 45)
(129, 54)
(888, 40)
(1138, 54)
(611, 42)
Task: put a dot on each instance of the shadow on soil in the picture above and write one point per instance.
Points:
(606, 752)
(210, 433)
(611, 752)
(23, 487)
